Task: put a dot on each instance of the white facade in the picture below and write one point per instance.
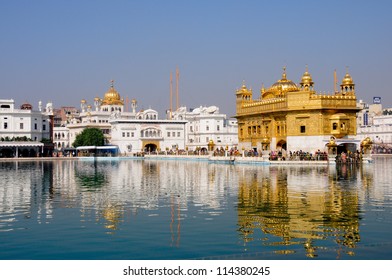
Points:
(133, 132)
(146, 135)
(24, 123)
(372, 123)
(61, 137)
(205, 124)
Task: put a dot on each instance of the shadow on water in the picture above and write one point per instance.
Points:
(91, 176)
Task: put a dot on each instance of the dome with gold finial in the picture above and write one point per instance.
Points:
(347, 86)
(306, 80)
(281, 87)
(244, 89)
(112, 97)
(347, 80)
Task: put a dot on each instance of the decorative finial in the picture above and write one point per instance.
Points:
(262, 88)
(284, 72)
(111, 83)
(306, 68)
(346, 69)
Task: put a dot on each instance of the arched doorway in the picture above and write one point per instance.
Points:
(281, 145)
(150, 148)
(347, 147)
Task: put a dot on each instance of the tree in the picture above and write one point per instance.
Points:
(89, 137)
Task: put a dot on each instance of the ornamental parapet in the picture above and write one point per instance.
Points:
(336, 100)
(268, 105)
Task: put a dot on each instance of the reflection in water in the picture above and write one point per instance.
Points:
(301, 205)
(298, 211)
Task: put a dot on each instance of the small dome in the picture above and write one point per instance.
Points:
(306, 79)
(347, 80)
(26, 106)
(244, 89)
(112, 97)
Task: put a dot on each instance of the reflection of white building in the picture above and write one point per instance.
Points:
(132, 131)
(206, 124)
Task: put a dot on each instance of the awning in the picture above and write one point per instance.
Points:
(14, 144)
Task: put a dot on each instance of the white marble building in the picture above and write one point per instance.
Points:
(147, 133)
(371, 122)
(23, 130)
(133, 132)
(24, 122)
(207, 125)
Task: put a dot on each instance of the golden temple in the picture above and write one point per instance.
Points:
(295, 117)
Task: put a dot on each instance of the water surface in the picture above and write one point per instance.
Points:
(135, 209)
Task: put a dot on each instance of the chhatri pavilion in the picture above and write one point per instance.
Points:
(295, 117)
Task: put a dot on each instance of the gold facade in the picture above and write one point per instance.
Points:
(289, 110)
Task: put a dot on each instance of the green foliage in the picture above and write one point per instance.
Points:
(89, 137)
(46, 141)
(18, 138)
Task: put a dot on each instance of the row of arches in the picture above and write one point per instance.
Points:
(151, 133)
(60, 135)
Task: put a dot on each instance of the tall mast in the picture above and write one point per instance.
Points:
(335, 81)
(177, 80)
(171, 95)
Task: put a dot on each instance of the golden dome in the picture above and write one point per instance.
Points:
(244, 89)
(347, 80)
(112, 97)
(281, 86)
(306, 78)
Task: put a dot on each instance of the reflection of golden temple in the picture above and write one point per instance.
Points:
(366, 147)
(211, 145)
(268, 202)
(175, 235)
(112, 215)
(296, 117)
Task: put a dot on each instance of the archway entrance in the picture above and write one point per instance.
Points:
(347, 147)
(150, 148)
(281, 145)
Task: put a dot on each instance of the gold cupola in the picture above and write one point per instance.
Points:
(112, 97)
(306, 81)
(347, 85)
(281, 87)
(244, 92)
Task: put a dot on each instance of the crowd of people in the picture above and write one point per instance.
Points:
(281, 155)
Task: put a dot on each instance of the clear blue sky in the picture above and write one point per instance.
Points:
(64, 51)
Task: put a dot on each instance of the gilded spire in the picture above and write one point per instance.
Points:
(284, 77)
